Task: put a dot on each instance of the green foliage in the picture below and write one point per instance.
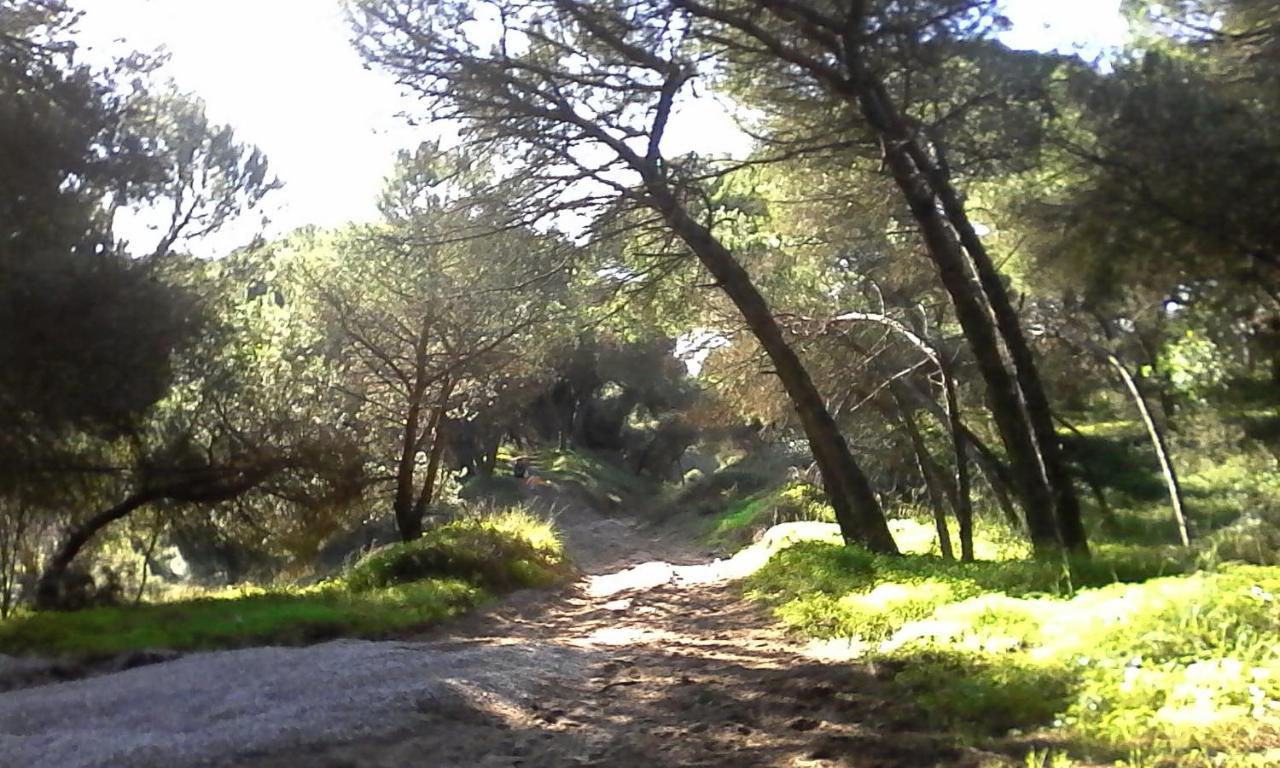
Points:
(743, 519)
(498, 551)
(237, 620)
(982, 695)
(1159, 666)
(451, 569)
(1193, 365)
(602, 481)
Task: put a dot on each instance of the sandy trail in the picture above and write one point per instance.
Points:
(652, 659)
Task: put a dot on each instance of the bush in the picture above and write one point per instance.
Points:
(496, 551)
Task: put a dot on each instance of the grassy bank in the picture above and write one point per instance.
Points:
(1146, 655)
(450, 570)
(1111, 659)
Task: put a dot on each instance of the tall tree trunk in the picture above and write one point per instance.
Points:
(931, 473)
(857, 509)
(964, 498)
(146, 561)
(428, 492)
(1004, 396)
(408, 524)
(1066, 503)
(993, 469)
(50, 584)
(1160, 447)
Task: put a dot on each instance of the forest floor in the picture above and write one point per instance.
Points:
(651, 658)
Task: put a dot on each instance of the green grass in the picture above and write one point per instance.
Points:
(1122, 657)
(738, 520)
(276, 617)
(450, 570)
(591, 471)
(498, 552)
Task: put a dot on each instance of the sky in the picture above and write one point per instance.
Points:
(284, 74)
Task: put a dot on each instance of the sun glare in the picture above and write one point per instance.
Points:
(284, 74)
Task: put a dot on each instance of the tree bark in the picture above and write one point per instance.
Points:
(857, 509)
(964, 498)
(49, 586)
(931, 473)
(1004, 396)
(428, 492)
(1039, 413)
(1161, 449)
(146, 562)
(408, 524)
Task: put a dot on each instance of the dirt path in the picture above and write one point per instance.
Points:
(652, 659)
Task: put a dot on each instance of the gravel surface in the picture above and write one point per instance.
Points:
(207, 708)
(651, 659)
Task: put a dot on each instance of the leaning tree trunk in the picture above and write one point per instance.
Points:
(857, 509)
(49, 586)
(1160, 447)
(1039, 413)
(931, 474)
(964, 497)
(428, 492)
(1004, 396)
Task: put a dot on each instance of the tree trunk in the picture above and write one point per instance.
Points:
(428, 492)
(408, 524)
(931, 473)
(1160, 447)
(1040, 415)
(857, 509)
(146, 562)
(964, 498)
(13, 529)
(1004, 396)
(993, 469)
(49, 585)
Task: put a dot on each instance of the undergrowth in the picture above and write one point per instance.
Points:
(1116, 656)
(496, 552)
(743, 519)
(451, 569)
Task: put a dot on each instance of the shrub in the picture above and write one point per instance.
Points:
(496, 551)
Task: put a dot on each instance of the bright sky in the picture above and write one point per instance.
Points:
(284, 74)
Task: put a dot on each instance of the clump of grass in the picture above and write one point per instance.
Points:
(742, 520)
(497, 550)
(1116, 657)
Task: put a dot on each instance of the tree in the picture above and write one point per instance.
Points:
(860, 54)
(422, 323)
(94, 327)
(579, 96)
